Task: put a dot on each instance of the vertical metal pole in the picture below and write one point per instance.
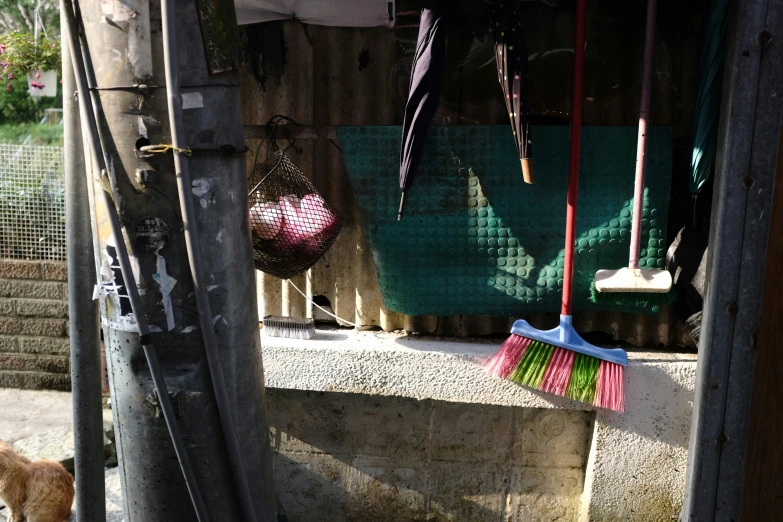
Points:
(309, 293)
(749, 131)
(285, 298)
(145, 192)
(83, 312)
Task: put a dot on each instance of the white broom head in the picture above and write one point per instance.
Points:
(630, 280)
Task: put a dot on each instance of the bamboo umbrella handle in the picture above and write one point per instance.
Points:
(527, 171)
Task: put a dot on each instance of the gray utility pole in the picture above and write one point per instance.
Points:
(82, 312)
(126, 50)
(748, 139)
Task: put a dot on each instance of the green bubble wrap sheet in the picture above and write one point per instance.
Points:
(476, 240)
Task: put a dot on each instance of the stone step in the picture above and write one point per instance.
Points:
(57, 445)
(35, 380)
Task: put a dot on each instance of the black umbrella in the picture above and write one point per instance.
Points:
(424, 96)
(511, 58)
(706, 115)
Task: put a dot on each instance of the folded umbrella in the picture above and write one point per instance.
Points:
(705, 118)
(424, 96)
(511, 59)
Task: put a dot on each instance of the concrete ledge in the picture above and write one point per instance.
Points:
(379, 363)
(636, 467)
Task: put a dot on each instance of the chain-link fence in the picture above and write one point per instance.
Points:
(32, 202)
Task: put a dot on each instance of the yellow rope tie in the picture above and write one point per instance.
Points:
(163, 148)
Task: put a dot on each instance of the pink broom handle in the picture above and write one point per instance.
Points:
(641, 144)
(573, 166)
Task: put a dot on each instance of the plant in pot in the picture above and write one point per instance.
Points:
(21, 55)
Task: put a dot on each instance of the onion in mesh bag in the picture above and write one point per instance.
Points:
(266, 220)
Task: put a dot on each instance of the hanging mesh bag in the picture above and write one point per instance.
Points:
(291, 224)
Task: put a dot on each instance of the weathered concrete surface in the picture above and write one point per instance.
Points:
(636, 466)
(58, 445)
(638, 459)
(377, 363)
(38, 424)
(353, 457)
(28, 412)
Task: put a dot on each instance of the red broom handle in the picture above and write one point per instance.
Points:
(641, 144)
(573, 167)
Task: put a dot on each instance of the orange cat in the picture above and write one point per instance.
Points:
(40, 491)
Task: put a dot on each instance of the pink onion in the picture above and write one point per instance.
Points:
(266, 220)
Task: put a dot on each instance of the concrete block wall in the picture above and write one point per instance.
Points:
(34, 350)
(343, 456)
(457, 426)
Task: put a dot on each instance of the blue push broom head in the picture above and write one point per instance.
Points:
(566, 337)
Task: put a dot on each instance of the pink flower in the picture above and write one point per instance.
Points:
(37, 75)
(11, 77)
(8, 88)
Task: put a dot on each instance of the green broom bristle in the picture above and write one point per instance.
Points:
(584, 377)
(633, 299)
(531, 369)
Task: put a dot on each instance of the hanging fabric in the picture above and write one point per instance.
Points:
(336, 13)
(707, 113)
(424, 96)
(511, 59)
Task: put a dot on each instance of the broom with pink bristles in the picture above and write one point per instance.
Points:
(559, 361)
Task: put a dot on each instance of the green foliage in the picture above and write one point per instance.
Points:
(19, 15)
(39, 134)
(17, 106)
(20, 54)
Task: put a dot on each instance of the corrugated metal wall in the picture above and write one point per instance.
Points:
(340, 76)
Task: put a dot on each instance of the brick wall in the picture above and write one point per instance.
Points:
(34, 346)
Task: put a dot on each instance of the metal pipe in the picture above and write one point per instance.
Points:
(83, 313)
(99, 164)
(309, 293)
(171, 66)
(285, 299)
